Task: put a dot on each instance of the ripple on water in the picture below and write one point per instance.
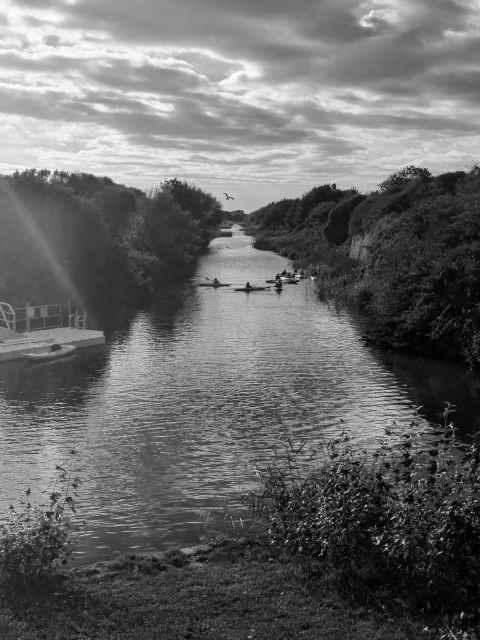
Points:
(170, 423)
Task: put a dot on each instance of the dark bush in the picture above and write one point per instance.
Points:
(406, 175)
(336, 230)
(403, 518)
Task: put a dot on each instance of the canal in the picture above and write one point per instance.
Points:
(170, 422)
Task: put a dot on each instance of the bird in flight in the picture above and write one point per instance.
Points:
(228, 197)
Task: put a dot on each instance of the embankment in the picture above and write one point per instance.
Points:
(407, 255)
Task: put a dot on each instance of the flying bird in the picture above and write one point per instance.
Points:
(228, 197)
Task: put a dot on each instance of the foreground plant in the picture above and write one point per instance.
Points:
(404, 518)
(36, 540)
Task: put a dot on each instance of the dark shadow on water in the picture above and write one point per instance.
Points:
(169, 305)
(433, 383)
(65, 380)
(430, 383)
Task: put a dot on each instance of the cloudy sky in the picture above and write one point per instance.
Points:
(260, 98)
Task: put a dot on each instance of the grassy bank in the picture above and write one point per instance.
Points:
(231, 590)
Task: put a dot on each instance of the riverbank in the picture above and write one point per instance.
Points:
(367, 545)
(406, 256)
(232, 589)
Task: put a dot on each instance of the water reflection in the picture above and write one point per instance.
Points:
(66, 380)
(432, 383)
(171, 421)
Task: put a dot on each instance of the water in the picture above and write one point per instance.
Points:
(171, 420)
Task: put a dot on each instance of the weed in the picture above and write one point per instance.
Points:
(36, 540)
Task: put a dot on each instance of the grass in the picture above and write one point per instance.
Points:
(233, 590)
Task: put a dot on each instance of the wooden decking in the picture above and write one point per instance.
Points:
(13, 346)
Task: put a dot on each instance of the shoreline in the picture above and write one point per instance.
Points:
(342, 292)
(228, 589)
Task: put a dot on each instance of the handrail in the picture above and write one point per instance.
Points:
(78, 319)
(34, 317)
(8, 316)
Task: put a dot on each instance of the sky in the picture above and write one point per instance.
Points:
(262, 99)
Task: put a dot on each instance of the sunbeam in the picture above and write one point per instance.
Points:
(38, 239)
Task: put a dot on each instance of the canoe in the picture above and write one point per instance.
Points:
(47, 354)
(215, 286)
(251, 289)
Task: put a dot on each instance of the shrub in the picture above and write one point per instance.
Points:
(405, 518)
(398, 180)
(36, 540)
(423, 274)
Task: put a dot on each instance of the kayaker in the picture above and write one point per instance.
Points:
(248, 286)
(216, 281)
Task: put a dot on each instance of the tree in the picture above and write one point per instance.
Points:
(397, 181)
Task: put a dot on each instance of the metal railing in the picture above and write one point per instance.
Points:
(78, 319)
(34, 317)
(43, 316)
(8, 318)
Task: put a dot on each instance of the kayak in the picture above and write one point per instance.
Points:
(215, 286)
(49, 354)
(247, 290)
(288, 280)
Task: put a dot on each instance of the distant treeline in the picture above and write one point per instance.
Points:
(234, 217)
(408, 255)
(101, 245)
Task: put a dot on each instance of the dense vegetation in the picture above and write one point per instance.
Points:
(97, 243)
(408, 254)
(400, 522)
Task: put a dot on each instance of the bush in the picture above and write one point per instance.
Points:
(398, 180)
(423, 273)
(36, 540)
(403, 518)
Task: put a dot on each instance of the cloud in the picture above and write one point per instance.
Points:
(52, 40)
(254, 90)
